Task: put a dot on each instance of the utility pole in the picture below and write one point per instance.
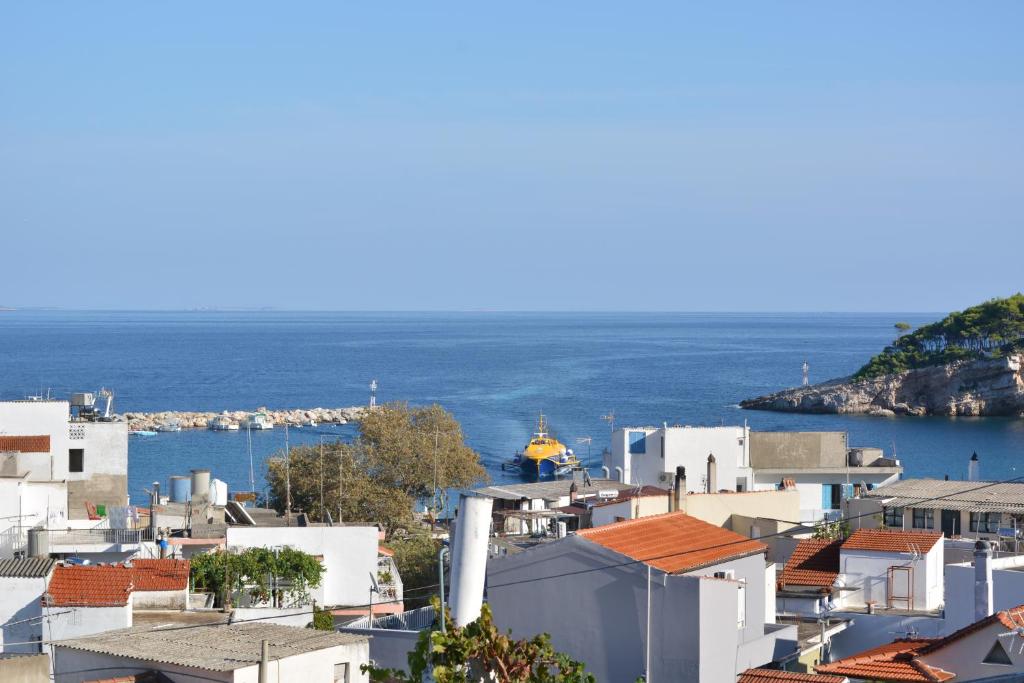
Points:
(341, 472)
(287, 478)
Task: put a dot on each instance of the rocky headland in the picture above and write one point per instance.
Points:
(200, 420)
(982, 387)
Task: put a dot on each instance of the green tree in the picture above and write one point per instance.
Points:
(479, 651)
(323, 620)
(282, 576)
(395, 460)
(902, 326)
(416, 559)
(832, 531)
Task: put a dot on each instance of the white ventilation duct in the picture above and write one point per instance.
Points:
(469, 558)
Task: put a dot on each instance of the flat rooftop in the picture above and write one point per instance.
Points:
(971, 496)
(210, 647)
(556, 488)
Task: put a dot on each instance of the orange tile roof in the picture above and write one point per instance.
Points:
(814, 562)
(25, 444)
(89, 586)
(901, 660)
(160, 575)
(892, 541)
(772, 675)
(673, 542)
(896, 662)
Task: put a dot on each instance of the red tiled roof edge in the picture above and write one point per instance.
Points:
(163, 574)
(770, 675)
(25, 444)
(884, 540)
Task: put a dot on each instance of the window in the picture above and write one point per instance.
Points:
(76, 460)
(985, 522)
(997, 655)
(924, 518)
(341, 673)
(637, 442)
(894, 517)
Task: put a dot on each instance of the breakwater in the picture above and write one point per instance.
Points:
(201, 420)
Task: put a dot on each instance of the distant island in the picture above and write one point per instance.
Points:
(968, 363)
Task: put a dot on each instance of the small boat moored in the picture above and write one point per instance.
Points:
(259, 421)
(141, 432)
(222, 423)
(170, 426)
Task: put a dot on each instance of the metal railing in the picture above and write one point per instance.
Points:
(98, 536)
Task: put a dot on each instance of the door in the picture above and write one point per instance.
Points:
(951, 523)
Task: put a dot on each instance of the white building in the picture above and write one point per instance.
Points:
(230, 653)
(715, 458)
(821, 466)
(22, 585)
(54, 467)
(985, 585)
(83, 600)
(349, 555)
(530, 507)
(687, 597)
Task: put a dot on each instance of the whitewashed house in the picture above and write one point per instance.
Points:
(226, 653)
(83, 600)
(23, 582)
(689, 597)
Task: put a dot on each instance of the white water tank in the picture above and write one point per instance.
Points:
(219, 492)
(200, 485)
(469, 558)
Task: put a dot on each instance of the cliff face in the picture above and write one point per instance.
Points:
(973, 387)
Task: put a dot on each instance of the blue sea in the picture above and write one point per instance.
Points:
(494, 371)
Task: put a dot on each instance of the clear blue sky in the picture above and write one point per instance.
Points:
(533, 155)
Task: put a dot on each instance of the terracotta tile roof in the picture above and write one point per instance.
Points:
(673, 542)
(160, 575)
(772, 675)
(25, 444)
(1010, 619)
(897, 662)
(813, 563)
(89, 586)
(892, 541)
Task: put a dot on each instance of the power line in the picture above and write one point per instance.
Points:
(737, 542)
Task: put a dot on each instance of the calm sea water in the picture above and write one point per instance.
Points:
(494, 371)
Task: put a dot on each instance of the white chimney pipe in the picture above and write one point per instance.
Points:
(974, 468)
(469, 558)
(982, 580)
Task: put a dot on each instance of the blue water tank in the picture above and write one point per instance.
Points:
(181, 489)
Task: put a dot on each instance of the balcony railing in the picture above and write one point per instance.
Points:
(77, 537)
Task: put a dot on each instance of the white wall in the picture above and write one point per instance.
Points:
(75, 666)
(19, 602)
(33, 500)
(61, 623)
(35, 418)
(867, 571)
(160, 599)
(349, 556)
(1007, 589)
(598, 615)
(686, 446)
(810, 485)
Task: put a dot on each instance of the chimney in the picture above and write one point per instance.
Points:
(572, 493)
(469, 558)
(677, 501)
(712, 474)
(982, 580)
(973, 468)
(264, 661)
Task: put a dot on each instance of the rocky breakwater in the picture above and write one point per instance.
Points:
(970, 387)
(201, 420)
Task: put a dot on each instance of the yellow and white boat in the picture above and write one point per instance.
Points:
(544, 456)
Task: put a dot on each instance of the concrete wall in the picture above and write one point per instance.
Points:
(718, 508)
(61, 623)
(20, 602)
(644, 506)
(105, 476)
(27, 669)
(1007, 589)
(299, 617)
(349, 556)
(667, 448)
(160, 599)
(595, 608)
(389, 648)
(73, 666)
(797, 450)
